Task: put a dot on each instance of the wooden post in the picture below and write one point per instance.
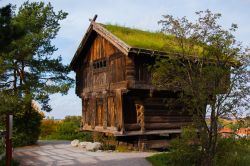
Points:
(140, 116)
(94, 107)
(105, 107)
(83, 112)
(8, 138)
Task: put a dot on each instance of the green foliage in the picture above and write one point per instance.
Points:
(230, 152)
(2, 146)
(161, 159)
(211, 85)
(13, 162)
(26, 132)
(233, 152)
(27, 64)
(28, 69)
(147, 40)
(185, 150)
(67, 129)
(48, 127)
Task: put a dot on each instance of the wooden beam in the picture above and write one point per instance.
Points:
(105, 107)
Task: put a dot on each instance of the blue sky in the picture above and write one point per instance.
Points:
(143, 14)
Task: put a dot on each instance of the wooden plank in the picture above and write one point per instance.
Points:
(118, 103)
(132, 127)
(149, 132)
(111, 112)
(158, 126)
(93, 117)
(161, 119)
(105, 109)
(83, 112)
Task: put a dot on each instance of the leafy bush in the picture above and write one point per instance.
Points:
(48, 127)
(233, 152)
(67, 129)
(26, 127)
(230, 152)
(185, 150)
(13, 162)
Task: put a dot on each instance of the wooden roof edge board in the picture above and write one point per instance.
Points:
(121, 45)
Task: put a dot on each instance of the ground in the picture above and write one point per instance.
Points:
(53, 153)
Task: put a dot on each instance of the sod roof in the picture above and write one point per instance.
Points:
(148, 40)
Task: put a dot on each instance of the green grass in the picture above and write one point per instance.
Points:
(160, 159)
(148, 40)
(13, 162)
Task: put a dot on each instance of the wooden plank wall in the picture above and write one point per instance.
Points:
(102, 106)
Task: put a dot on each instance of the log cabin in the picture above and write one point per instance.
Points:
(115, 85)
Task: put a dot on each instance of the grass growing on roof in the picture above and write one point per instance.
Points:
(148, 40)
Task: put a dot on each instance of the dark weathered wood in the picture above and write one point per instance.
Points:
(105, 107)
(132, 127)
(158, 126)
(119, 118)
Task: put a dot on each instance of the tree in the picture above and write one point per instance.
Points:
(29, 70)
(211, 71)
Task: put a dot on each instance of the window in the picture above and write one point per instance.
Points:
(100, 64)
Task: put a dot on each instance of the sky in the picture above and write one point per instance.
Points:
(142, 14)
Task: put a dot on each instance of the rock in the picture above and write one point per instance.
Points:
(84, 144)
(99, 151)
(93, 146)
(75, 143)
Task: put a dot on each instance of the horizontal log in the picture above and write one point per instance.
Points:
(132, 127)
(166, 113)
(163, 119)
(159, 126)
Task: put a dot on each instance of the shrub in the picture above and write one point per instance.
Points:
(233, 152)
(48, 127)
(185, 150)
(13, 162)
(67, 129)
(26, 127)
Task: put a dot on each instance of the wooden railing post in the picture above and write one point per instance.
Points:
(8, 138)
(140, 116)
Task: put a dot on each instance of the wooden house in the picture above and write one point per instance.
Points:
(115, 86)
